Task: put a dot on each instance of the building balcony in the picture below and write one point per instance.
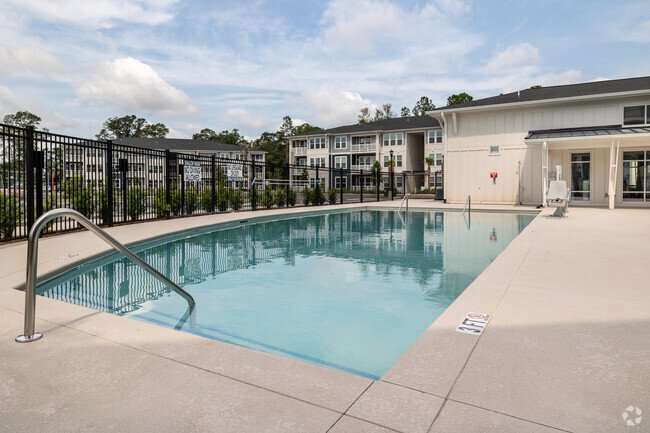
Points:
(300, 151)
(365, 167)
(364, 147)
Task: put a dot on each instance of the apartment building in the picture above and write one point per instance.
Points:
(146, 169)
(353, 149)
(506, 148)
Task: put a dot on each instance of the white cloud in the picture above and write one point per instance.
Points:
(30, 60)
(130, 84)
(9, 102)
(242, 119)
(362, 26)
(100, 13)
(334, 108)
(513, 57)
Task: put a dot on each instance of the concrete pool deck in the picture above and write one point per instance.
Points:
(567, 349)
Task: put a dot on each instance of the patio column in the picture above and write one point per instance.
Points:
(613, 173)
(544, 171)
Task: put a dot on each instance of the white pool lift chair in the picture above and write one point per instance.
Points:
(558, 196)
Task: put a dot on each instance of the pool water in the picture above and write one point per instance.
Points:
(346, 290)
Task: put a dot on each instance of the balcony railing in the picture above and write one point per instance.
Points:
(300, 151)
(364, 147)
(362, 167)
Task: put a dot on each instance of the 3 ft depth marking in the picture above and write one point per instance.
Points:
(473, 323)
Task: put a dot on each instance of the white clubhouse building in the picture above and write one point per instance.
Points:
(596, 136)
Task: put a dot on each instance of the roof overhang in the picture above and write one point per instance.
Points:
(505, 106)
(596, 133)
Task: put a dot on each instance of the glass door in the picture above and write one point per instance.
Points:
(581, 176)
(636, 176)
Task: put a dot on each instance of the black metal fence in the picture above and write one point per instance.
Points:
(114, 184)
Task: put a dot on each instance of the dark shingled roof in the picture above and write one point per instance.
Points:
(179, 144)
(555, 92)
(592, 131)
(394, 124)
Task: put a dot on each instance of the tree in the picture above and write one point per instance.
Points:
(422, 106)
(305, 127)
(131, 126)
(225, 136)
(22, 119)
(429, 162)
(460, 98)
(536, 86)
(405, 112)
(364, 115)
(388, 114)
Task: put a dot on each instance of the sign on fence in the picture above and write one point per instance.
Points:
(235, 172)
(192, 171)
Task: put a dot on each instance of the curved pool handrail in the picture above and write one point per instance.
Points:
(32, 253)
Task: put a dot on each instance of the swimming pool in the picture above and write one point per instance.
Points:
(346, 290)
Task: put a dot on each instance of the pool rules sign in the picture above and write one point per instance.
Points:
(473, 323)
(192, 171)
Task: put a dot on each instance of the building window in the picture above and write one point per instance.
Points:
(341, 162)
(398, 181)
(394, 139)
(385, 160)
(581, 176)
(636, 175)
(435, 137)
(398, 160)
(341, 142)
(494, 150)
(636, 115)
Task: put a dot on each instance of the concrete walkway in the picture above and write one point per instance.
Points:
(567, 349)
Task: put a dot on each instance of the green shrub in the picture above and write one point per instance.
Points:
(307, 196)
(292, 197)
(191, 201)
(9, 215)
(280, 197)
(175, 199)
(318, 197)
(159, 205)
(80, 196)
(223, 197)
(236, 199)
(206, 200)
(268, 197)
(136, 202)
(331, 195)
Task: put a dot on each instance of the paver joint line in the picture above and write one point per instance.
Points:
(478, 339)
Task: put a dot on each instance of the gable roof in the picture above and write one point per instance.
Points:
(556, 92)
(394, 124)
(182, 144)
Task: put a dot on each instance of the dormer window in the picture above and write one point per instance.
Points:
(636, 115)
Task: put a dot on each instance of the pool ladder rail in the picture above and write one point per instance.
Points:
(32, 255)
(405, 199)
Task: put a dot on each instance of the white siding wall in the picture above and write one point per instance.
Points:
(468, 164)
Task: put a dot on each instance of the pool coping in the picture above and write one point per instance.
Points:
(424, 377)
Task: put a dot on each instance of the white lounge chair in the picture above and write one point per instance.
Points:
(558, 196)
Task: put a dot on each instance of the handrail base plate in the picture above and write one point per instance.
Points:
(26, 339)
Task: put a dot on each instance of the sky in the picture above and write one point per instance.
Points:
(247, 64)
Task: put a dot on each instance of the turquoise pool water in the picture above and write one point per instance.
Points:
(346, 290)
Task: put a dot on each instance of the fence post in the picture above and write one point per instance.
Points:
(377, 174)
(214, 183)
(39, 164)
(341, 182)
(361, 185)
(28, 155)
(317, 189)
(404, 183)
(124, 167)
(181, 168)
(287, 186)
(254, 191)
(168, 182)
(110, 183)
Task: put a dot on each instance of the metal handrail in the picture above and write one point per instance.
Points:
(406, 198)
(468, 205)
(32, 253)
